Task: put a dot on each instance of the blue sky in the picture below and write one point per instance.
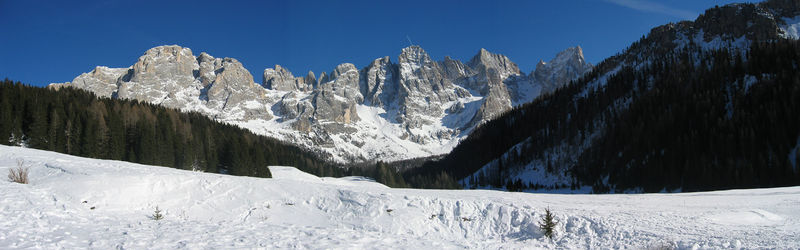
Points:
(54, 41)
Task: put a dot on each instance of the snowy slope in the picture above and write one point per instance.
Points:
(298, 210)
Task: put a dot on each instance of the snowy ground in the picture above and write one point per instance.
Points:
(298, 210)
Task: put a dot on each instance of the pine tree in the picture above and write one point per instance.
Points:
(548, 224)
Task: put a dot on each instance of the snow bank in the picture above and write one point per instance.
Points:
(75, 202)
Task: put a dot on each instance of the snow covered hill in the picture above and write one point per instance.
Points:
(74, 202)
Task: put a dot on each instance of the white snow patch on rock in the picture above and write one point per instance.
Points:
(791, 29)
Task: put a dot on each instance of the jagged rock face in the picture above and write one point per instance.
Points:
(496, 101)
(455, 69)
(343, 82)
(567, 65)
(488, 73)
(310, 81)
(172, 76)
(389, 111)
(752, 23)
(423, 89)
(233, 91)
(337, 95)
(159, 72)
(208, 68)
(102, 80)
(377, 82)
(730, 26)
(281, 79)
(485, 60)
(329, 108)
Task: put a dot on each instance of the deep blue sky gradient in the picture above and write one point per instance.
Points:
(54, 41)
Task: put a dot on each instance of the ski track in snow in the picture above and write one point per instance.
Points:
(299, 210)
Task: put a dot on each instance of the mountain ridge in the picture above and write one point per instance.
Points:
(422, 106)
(617, 128)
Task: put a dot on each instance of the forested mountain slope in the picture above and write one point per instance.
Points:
(76, 122)
(702, 105)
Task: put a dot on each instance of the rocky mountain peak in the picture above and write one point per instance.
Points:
(278, 78)
(174, 58)
(374, 80)
(486, 60)
(482, 56)
(455, 69)
(380, 62)
(204, 57)
(414, 55)
(342, 69)
(573, 55)
(173, 77)
(565, 66)
(310, 79)
(172, 53)
(281, 79)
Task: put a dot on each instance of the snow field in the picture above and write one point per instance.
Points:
(299, 210)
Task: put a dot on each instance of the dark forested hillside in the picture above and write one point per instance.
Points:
(727, 122)
(77, 122)
(697, 105)
(691, 120)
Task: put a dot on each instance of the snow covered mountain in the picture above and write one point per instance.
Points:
(390, 111)
(77, 203)
(584, 145)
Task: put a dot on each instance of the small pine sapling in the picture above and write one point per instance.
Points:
(548, 224)
(157, 214)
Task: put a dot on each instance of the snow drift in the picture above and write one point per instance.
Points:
(74, 202)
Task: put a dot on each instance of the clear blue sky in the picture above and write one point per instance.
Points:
(54, 41)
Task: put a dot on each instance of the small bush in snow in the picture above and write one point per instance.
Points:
(548, 224)
(19, 174)
(157, 214)
(196, 167)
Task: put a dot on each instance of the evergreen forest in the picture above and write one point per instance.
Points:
(690, 120)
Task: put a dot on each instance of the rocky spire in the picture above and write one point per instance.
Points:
(485, 60)
(567, 65)
(278, 78)
(376, 83)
